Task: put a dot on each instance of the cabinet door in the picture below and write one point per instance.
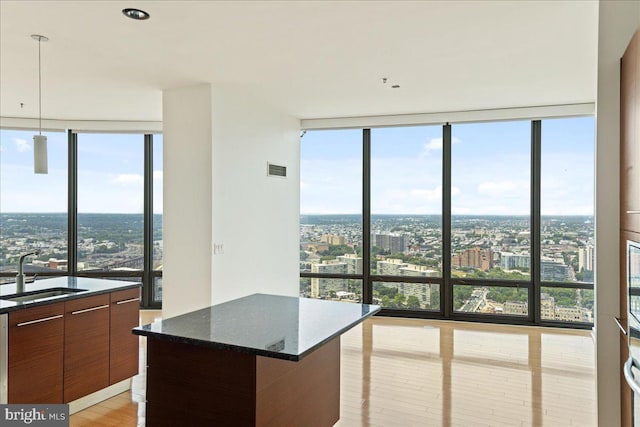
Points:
(36, 337)
(629, 133)
(626, 394)
(125, 315)
(86, 346)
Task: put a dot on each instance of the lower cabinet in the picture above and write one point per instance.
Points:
(86, 346)
(35, 354)
(125, 315)
(58, 353)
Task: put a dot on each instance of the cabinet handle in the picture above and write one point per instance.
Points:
(619, 323)
(44, 319)
(100, 307)
(128, 300)
(633, 212)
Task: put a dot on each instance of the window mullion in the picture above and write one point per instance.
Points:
(72, 204)
(536, 166)
(446, 303)
(367, 285)
(147, 278)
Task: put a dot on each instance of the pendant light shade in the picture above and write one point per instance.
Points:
(40, 154)
(40, 140)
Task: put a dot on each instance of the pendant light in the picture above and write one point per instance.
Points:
(40, 140)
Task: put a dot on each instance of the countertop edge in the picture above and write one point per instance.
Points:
(69, 297)
(249, 350)
(337, 334)
(214, 345)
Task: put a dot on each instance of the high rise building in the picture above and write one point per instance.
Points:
(320, 287)
(390, 267)
(585, 258)
(475, 258)
(417, 270)
(554, 271)
(333, 239)
(393, 243)
(396, 267)
(353, 262)
(509, 261)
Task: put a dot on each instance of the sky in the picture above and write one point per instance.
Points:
(490, 172)
(110, 173)
(490, 169)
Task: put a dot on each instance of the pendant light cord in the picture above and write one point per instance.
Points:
(39, 89)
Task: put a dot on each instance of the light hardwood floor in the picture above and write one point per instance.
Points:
(408, 372)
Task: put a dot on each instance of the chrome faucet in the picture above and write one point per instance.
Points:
(20, 278)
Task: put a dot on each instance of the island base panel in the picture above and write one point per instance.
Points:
(304, 393)
(193, 385)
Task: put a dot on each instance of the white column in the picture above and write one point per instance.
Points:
(187, 181)
(229, 229)
(256, 229)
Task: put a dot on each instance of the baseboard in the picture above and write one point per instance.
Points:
(100, 395)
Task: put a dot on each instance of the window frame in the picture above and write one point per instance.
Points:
(147, 275)
(533, 286)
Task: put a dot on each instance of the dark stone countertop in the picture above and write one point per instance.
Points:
(266, 325)
(89, 287)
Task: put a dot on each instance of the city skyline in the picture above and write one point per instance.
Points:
(488, 249)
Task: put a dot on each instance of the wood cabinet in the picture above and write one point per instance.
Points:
(35, 357)
(629, 133)
(86, 346)
(125, 315)
(629, 192)
(626, 395)
(61, 352)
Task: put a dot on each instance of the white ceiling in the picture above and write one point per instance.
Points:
(312, 59)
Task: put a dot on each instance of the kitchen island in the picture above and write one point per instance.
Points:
(261, 360)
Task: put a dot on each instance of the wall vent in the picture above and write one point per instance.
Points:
(276, 170)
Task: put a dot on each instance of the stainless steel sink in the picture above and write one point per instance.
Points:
(38, 295)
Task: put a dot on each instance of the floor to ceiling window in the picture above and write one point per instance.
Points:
(86, 216)
(406, 217)
(110, 202)
(33, 207)
(331, 215)
(490, 217)
(567, 227)
(158, 248)
(478, 221)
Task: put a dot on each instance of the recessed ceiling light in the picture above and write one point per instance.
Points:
(137, 14)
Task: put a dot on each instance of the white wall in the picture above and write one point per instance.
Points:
(187, 199)
(255, 217)
(229, 230)
(617, 22)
